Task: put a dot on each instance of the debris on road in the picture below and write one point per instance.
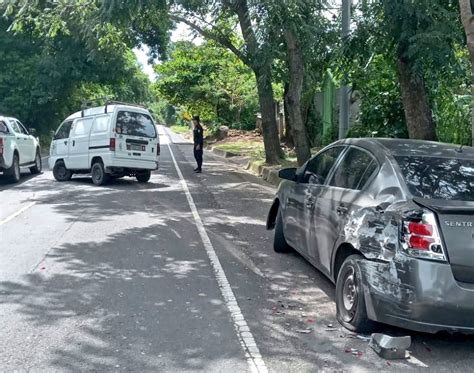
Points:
(304, 331)
(353, 351)
(389, 347)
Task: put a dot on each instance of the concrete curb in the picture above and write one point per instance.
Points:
(267, 173)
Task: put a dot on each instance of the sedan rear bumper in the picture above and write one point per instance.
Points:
(417, 294)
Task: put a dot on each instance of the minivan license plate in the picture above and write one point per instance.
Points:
(134, 147)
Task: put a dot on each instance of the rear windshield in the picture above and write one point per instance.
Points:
(439, 178)
(135, 124)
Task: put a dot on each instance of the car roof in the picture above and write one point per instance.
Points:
(101, 110)
(408, 147)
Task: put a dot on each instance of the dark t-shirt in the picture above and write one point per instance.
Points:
(198, 136)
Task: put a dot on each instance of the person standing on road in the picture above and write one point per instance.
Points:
(198, 135)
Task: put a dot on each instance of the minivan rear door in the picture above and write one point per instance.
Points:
(136, 136)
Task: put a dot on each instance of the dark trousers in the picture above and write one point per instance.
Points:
(198, 157)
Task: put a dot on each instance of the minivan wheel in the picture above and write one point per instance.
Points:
(143, 176)
(36, 169)
(14, 171)
(60, 172)
(99, 176)
(279, 242)
(350, 301)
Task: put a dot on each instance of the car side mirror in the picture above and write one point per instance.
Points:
(287, 174)
(32, 131)
(52, 133)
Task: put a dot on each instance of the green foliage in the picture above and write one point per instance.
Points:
(209, 81)
(44, 79)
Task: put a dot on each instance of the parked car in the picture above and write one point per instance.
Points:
(109, 141)
(18, 148)
(391, 222)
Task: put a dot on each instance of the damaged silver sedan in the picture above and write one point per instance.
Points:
(391, 223)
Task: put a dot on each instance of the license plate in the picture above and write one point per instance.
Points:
(135, 147)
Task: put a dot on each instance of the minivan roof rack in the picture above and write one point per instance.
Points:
(113, 102)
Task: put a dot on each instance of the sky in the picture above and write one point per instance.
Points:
(182, 32)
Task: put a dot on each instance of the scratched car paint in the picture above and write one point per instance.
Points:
(390, 222)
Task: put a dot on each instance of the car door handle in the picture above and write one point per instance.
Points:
(18, 138)
(73, 142)
(342, 210)
(65, 142)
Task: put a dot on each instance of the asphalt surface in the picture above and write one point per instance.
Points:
(123, 278)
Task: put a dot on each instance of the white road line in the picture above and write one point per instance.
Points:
(246, 339)
(19, 212)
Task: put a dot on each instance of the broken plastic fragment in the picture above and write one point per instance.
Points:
(304, 331)
(389, 347)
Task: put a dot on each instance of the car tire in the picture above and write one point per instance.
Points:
(351, 310)
(37, 168)
(279, 242)
(60, 172)
(14, 172)
(143, 176)
(99, 176)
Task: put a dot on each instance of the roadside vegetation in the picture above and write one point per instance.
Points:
(407, 64)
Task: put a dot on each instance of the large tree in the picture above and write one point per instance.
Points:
(467, 18)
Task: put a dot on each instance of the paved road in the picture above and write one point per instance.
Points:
(175, 275)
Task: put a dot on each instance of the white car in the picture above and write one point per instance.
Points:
(109, 141)
(17, 149)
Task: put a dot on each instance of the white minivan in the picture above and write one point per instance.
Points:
(109, 141)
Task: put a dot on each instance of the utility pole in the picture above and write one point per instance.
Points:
(344, 90)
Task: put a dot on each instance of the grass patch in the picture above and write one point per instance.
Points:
(180, 130)
(248, 148)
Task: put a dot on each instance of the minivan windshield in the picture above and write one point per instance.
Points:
(438, 178)
(135, 124)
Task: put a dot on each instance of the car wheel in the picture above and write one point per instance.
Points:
(99, 176)
(350, 301)
(14, 171)
(60, 172)
(36, 169)
(143, 176)
(279, 242)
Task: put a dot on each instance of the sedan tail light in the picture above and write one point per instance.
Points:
(1, 146)
(421, 238)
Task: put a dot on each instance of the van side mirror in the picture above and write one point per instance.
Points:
(287, 174)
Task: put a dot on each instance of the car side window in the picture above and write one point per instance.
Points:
(14, 126)
(82, 127)
(3, 127)
(319, 167)
(352, 169)
(22, 128)
(63, 131)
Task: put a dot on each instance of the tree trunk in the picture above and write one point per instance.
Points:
(271, 140)
(288, 140)
(293, 97)
(418, 115)
(261, 66)
(468, 23)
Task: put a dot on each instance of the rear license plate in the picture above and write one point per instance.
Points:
(135, 147)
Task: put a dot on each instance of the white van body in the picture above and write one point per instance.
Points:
(121, 138)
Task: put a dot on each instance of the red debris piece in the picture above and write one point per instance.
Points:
(388, 363)
(310, 321)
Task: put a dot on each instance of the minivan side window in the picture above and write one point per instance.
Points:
(82, 127)
(100, 124)
(352, 169)
(63, 131)
(318, 168)
(135, 124)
